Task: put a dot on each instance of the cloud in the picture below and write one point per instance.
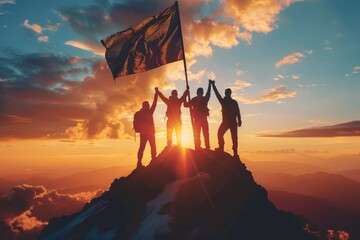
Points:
(43, 97)
(7, 2)
(269, 95)
(39, 29)
(239, 73)
(312, 85)
(255, 15)
(292, 76)
(290, 59)
(34, 27)
(51, 96)
(88, 46)
(327, 45)
(295, 76)
(240, 85)
(201, 32)
(43, 39)
(354, 72)
(197, 76)
(278, 77)
(309, 51)
(27, 209)
(25, 222)
(20, 200)
(348, 129)
(53, 28)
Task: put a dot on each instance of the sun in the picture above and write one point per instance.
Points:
(187, 138)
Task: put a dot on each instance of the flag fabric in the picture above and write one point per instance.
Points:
(154, 42)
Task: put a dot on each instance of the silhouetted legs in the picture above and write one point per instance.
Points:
(233, 130)
(172, 125)
(201, 124)
(144, 138)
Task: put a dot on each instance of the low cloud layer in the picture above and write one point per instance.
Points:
(348, 129)
(27, 209)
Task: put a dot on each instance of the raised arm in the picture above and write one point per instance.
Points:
(163, 98)
(217, 94)
(185, 94)
(207, 96)
(153, 106)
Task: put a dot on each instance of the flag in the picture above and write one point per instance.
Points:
(153, 42)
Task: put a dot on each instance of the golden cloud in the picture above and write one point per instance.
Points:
(255, 15)
(269, 95)
(87, 46)
(290, 59)
(34, 27)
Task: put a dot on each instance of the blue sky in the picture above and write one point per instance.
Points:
(292, 64)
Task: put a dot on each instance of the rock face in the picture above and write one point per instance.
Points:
(182, 194)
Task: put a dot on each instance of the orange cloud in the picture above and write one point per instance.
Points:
(27, 209)
(43, 39)
(269, 95)
(34, 27)
(25, 222)
(290, 59)
(200, 34)
(43, 103)
(240, 85)
(46, 102)
(348, 129)
(255, 15)
(115, 103)
(95, 48)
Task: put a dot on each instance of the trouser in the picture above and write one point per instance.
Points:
(144, 138)
(201, 123)
(224, 126)
(171, 125)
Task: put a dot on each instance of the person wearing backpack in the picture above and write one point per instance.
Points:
(231, 119)
(144, 124)
(200, 113)
(173, 114)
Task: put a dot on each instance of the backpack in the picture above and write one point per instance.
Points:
(137, 122)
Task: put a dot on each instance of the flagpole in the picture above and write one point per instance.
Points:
(185, 68)
(182, 45)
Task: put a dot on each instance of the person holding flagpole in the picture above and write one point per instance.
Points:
(200, 112)
(173, 114)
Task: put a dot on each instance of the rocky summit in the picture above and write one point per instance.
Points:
(182, 194)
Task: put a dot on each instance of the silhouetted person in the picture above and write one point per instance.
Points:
(173, 114)
(200, 112)
(147, 128)
(231, 118)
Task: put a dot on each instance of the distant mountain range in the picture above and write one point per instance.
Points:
(87, 180)
(335, 189)
(319, 211)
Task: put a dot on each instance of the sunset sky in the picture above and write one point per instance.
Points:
(293, 66)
